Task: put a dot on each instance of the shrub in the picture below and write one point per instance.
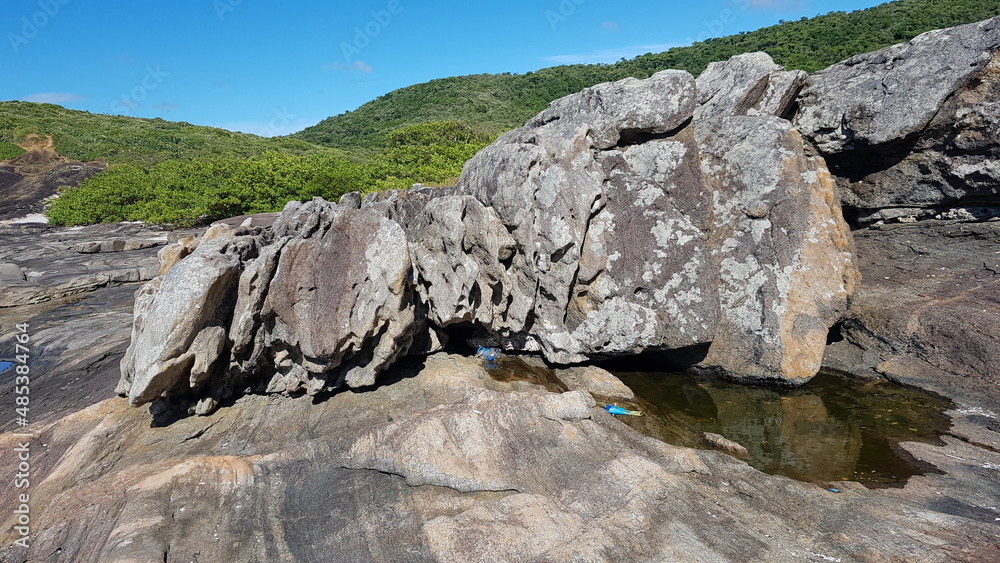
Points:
(9, 151)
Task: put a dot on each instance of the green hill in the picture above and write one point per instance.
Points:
(117, 139)
(225, 179)
(181, 174)
(497, 102)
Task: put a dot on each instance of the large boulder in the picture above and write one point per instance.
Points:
(732, 235)
(912, 125)
(613, 223)
(181, 320)
(784, 252)
(600, 193)
(339, 307)
(645, 277)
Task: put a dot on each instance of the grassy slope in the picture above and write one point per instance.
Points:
(496, 102)
(81, 135)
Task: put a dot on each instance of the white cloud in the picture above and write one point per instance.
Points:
(608, 55)
(364, 67)
(52, 98)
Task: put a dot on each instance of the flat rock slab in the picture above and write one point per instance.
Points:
(446, 464)
(76, 344)
(928, 313)
(56, 262)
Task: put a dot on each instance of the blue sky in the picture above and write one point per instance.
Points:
(274, 68)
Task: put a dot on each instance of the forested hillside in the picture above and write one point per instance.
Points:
(496, 102)
(187, 191)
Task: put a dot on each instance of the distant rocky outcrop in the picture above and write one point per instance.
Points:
(28, 181)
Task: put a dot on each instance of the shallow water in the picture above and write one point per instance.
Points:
(833, 428)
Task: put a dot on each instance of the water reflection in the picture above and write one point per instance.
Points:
(833, 428)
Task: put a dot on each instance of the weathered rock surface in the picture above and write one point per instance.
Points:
(27, 181)
(459, 258)
(51, 267)
(446, 464)
(928, 313)
(605, 226)
(912, 125)
(596, 381)
(546, 183)
(181, 320)
(747, 84)
(784, 252)
(340, 305)
(642, 277)
(76, 344)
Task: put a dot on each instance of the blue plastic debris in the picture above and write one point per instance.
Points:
(618, 410)
(491, 355)
(833, 490)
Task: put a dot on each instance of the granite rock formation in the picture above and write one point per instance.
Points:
(785, 254)
(747, 84)
(613, 223)
(911, 127)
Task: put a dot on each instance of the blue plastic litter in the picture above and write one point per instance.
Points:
(491, 355)
(618, 410)
(4, 366)
(833, 490)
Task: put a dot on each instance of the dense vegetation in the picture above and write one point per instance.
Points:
(116, 139)
(496, 102)
(187, 192)
(9, 151)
